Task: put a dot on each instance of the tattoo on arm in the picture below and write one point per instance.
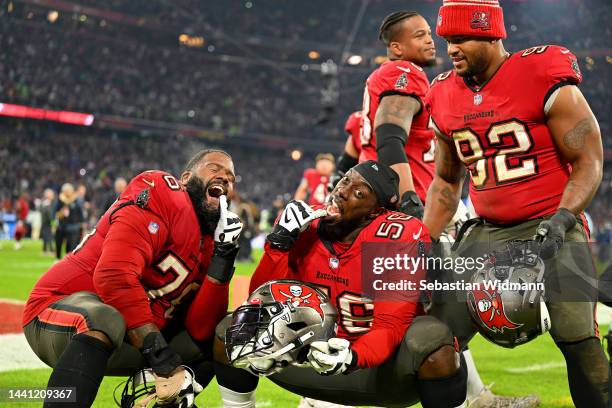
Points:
(448, 165)
(575, 138)
(398, 110)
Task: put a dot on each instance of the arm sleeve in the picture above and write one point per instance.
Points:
(274, 264)
(207, 309)
(128, 248)
(391, 320)
(563, 69)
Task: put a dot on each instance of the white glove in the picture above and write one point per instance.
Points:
(178, 390)
(259, 366)
(330, 357)
(229, 226)
(296, 217)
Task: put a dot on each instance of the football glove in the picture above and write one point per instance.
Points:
(259, 366)
(296, 217)
(229, 226)
(226, 237)
(411, 204)
(551, 232)
(177, 390)
(158, 354)
(332, 357)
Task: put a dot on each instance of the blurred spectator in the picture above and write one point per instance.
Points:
(69, 214)
(111, 196)
(47, 216)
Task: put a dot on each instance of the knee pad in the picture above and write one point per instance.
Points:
(425, 335)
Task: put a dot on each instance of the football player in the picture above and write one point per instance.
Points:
(519, 123)
(352, 148)
(387, 352)
(145, 288)
(395, 126)
(314, 181)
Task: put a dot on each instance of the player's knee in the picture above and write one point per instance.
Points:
(108, 325)
(441, 363)
(425, 336)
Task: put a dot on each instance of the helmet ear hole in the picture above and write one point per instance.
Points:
(297, 326)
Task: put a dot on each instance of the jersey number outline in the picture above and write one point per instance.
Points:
(365, 132)
(471, 153)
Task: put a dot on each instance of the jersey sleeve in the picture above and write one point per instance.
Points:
(207, 309)
(352, 129)
(403, 78)
(274, 264)
(134, 239)
(391, 320)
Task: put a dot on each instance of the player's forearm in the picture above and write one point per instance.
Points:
(137, 335)
(441, 204)
(405, 174)
(582, 185)
(300, 194)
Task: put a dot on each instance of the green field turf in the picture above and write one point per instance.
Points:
(535, 368)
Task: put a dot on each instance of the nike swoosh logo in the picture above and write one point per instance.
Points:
(407, 70)
(565, 51)
(418, 234)
(150, 183)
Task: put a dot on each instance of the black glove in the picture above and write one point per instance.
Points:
(552, 232)
(158, 355)
(296, 217)
(411, 204)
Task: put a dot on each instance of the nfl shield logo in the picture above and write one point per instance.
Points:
(334, 263)
(153, 227)
(477, 99)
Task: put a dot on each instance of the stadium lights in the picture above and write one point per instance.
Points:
(52, 16)
(354, 60)
(314, 55)
(191, 41)
(296, 155)
(83, 18)
(380, 59)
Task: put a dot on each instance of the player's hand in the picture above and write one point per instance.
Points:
(296, 217)
(158, 354)
(411, 204)
(177, 390)
(229, 226)
(551, 232)
(331, 357)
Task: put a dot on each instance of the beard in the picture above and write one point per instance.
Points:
(430, 63)
(478, 64)
(208, 215)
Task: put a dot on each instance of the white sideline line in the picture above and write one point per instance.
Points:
(12, 301)
(16, 354)
(534, 367)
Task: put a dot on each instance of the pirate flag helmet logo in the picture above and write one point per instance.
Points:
(276, 323)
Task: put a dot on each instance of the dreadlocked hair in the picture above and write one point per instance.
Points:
(386, 32)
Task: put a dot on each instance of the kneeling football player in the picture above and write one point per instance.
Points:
(386, 353)
(145, 289)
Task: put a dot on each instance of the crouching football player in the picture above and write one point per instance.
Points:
(386, 353)
(145, 288)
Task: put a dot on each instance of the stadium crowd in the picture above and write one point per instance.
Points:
(249, 80)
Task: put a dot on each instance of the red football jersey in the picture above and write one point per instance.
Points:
(146, 257)
(317, 186)
(375, 328)
(499, 131)
(400, 77)
(352, 127)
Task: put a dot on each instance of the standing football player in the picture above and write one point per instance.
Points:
(387, 352)
(314, 181)
(145, 288)
(520, 125)
(395, 126)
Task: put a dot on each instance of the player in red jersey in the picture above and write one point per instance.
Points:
(525, 132)
(314, 181)
(352, 148)
(395, 126)
(388, 351)
(156, 268)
